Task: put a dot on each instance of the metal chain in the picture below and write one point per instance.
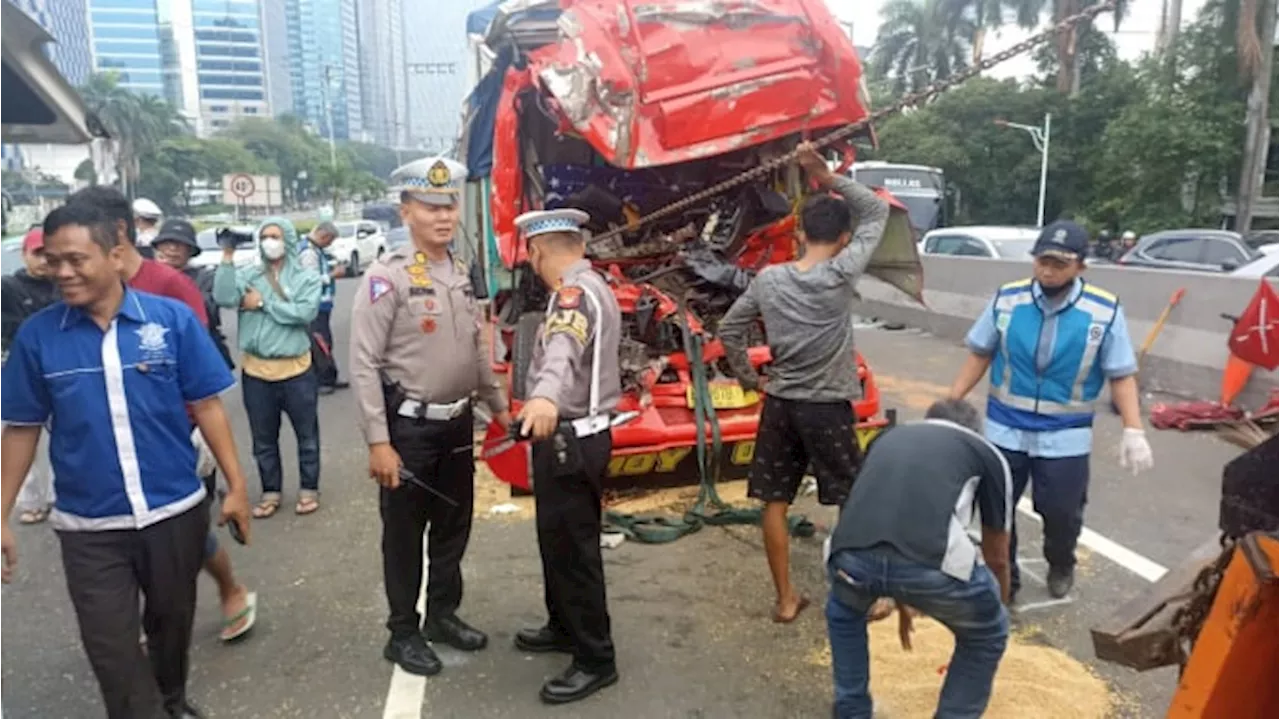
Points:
(1189, 618)
(915, 98)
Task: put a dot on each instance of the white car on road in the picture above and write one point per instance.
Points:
(358, 244)
(993, 242)
(211, 254)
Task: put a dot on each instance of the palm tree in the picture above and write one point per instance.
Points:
(136, 122)
(1068, 58)
(990, 15)
(920, 41)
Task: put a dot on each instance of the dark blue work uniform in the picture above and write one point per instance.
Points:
(131, 514)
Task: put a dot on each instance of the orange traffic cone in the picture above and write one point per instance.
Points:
(1234, 378)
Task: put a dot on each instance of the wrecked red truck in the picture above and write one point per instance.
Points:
(621, 108)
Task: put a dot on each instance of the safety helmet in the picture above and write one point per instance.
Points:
(146, 209)
(1129, 235)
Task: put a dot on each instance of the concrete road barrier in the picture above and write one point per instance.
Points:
(1186, 359)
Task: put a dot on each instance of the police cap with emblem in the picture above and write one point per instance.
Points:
(433, 180)
(1063, 239)
(540, 222)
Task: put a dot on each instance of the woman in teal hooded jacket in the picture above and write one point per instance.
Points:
(277, 300)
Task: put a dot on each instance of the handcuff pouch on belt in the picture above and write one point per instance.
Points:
(566, 451)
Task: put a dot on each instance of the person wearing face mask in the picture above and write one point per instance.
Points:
(417, 356)
(573, 387)
(1051, 343)
(146, 218)
(277, 301)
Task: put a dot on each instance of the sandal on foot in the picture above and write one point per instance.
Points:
(248, 615)
(34, 516)
(307, 503)
(267, 506)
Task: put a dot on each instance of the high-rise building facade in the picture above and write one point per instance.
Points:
(436, 61)
(126, 39)
(68, 22)
(324, 65)
(275, 50)
(230, 71)
(382, 71)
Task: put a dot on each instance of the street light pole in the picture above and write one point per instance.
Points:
(1039, 136)
(328, 106)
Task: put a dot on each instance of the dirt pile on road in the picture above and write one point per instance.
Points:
(1034, 681)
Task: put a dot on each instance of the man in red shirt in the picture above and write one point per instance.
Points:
(239, 605)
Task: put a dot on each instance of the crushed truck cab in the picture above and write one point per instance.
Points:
(620, 109)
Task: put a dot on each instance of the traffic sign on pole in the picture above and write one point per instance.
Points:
(241, 186)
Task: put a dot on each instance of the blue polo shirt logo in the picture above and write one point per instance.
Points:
(151, 341)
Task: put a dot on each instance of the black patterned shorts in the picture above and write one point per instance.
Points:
(795, 436)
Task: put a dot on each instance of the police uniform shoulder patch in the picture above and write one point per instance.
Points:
(378, 287)
(569, 322)
(569, 298)
(1095, 332)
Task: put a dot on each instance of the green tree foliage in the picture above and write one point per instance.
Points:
(1136, 148)
(157, 155)
(920, 41)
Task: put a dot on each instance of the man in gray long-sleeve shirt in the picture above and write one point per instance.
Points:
(808, 414)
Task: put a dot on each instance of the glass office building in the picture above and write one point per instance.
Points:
(230, 70)
(324, 68)
(126, 38)
(67, 22)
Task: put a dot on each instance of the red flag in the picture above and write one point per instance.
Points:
(1256, 334)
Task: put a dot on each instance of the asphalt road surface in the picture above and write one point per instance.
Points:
(690, 618)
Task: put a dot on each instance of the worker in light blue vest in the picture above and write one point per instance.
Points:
(1051, 343)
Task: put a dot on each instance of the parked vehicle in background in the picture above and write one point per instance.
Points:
(1199, 250)
(922, 189)
(358, 244)
(990, 241)
(11, 256)
(211, 254)
(385, 213)
(1257, 239)
(1268, 265)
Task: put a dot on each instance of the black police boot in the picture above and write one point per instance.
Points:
(1060, 581)
(578, 683)
(456, 633)
(412, 654)
(188, 711)
(542, 639)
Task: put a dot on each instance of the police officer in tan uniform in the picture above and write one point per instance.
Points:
(573, 385)
(417, 358)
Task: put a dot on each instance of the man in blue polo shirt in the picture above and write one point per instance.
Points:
(1051, 343)
(112, 372)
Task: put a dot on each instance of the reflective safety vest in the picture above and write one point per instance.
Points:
(1060, 394)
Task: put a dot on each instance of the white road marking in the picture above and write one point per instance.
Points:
(406, 692)
(1020, 608)
(1121, 555)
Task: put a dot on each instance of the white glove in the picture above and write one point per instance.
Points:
(205, 464)
(1135, 452)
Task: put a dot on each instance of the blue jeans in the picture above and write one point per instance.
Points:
(265, 402)
(971, 610)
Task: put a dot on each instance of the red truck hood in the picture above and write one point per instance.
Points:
(653, 83)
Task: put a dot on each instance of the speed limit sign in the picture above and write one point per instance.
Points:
(241, 186)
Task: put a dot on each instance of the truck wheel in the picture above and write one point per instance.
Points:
(526, 336)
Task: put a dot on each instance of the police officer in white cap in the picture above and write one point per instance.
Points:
(417, 357)
(574, 385)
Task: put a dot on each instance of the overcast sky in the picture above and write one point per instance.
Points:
(1137, 32)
